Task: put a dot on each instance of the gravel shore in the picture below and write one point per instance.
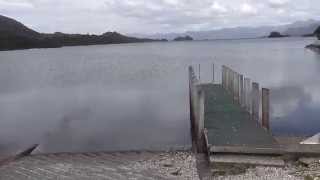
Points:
(177, 165)
(296, 171)
(173, 165)
(103, 165)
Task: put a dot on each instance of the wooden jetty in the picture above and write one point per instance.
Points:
(232, 118)
(230, 111)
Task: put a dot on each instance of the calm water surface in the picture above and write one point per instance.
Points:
(135, 96)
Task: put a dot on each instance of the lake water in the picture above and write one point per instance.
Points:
(135, 96)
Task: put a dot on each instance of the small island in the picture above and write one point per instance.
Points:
(185, 38)
(275, 34)
(316, 45)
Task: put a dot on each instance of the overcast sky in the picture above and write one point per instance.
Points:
(153, 16)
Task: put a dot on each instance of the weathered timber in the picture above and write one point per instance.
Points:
(247, 159)
(201, 106)
(197, 99)
(242, 93)
(236, 87)
(296, 149)
(265, 108)
(247, 88)
(22, 154)
(212, 73)
(255, 101)
(224, 111)
(228, 123)
(247, 150)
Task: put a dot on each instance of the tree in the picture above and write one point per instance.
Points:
(317, 32)
(275, 34)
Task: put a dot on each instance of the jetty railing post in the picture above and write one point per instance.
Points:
(247, 88)
(191, 102)
(236, 87)
(223, 77)
(201, 110)
(199, 73)
(228, 79)
(255, 101)
(265, 108)
(212, 73)
(194, 104)
(242, 92)
(232, 82)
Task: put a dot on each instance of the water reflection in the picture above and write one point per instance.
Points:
(295, 110)
(88, 118)
(135, 96)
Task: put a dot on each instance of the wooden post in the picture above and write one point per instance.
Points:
(223, 77)
(233, 85)
(201, 111)
(199, 72)
(247, 88)
(212, 73)
(227, 79)
(265, 108)
(242, 92)
(255, 101)
(236, 88)
(231, 82)
(191, 101)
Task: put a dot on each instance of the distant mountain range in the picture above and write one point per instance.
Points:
(15, 35)
(299, 28)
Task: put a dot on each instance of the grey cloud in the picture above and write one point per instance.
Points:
(151, 16)
(278, 3)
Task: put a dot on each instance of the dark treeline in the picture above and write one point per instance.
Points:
(317, 32)
(15, 35)
(315, 46)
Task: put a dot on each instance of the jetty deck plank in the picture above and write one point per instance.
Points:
(228, 124)
(248, 159)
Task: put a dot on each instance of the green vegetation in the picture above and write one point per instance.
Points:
(185, 38)
(276, 35)
(317, 32)
(14, 35)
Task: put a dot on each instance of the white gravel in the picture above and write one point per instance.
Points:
(291, 172)
(172, 165)
(263, 173)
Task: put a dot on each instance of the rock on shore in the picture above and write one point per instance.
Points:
(314, 46)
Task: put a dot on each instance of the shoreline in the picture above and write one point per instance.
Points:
(125, 165)
(314, 47)
(165, 164)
